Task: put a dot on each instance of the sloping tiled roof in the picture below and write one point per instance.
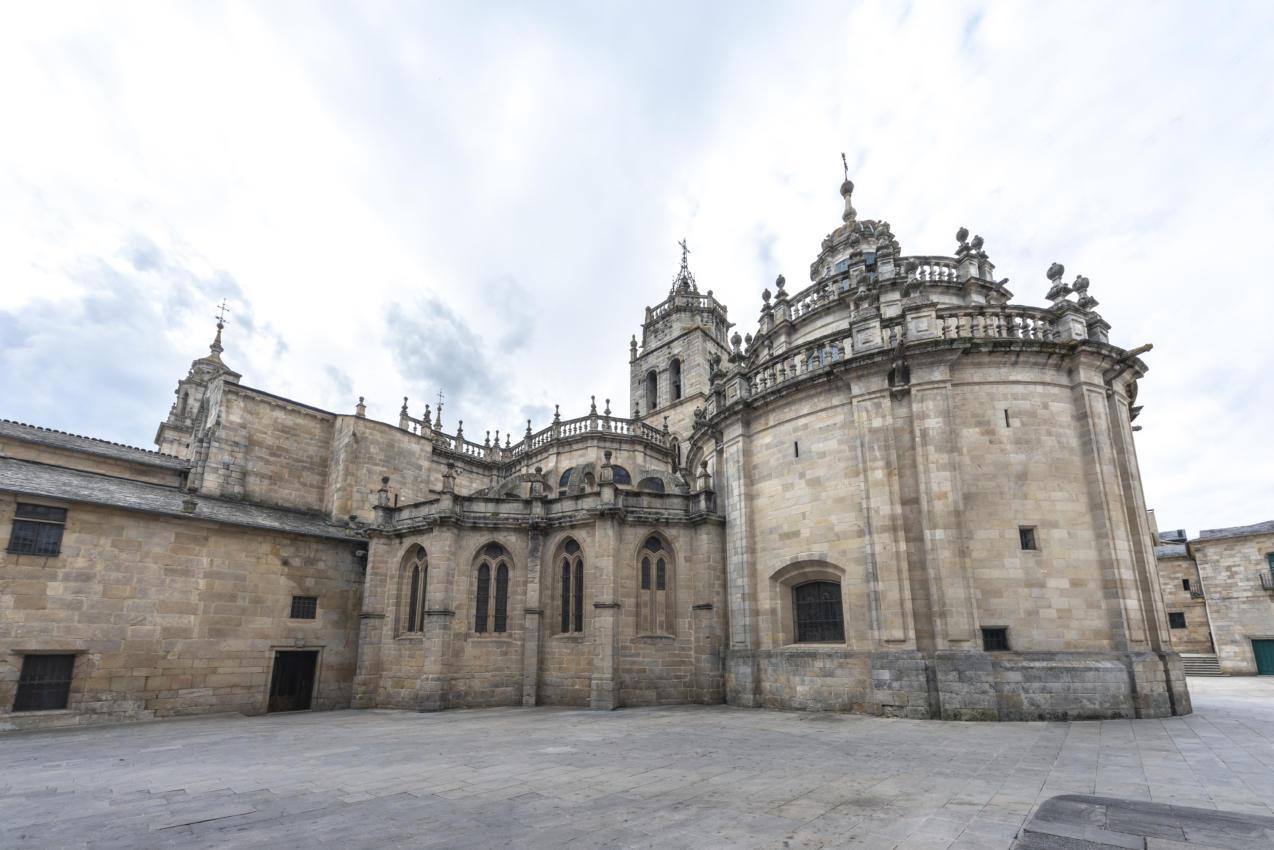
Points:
(1237, 531)
(72, 485)
(90, 445)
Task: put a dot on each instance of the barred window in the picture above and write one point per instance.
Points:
(415, 588)
(570, 588)
(1026, 536)
(502, 598)
(484, 598)
(1176, 620)
(995, 639)
(304, 608)
(37, 530)
(819, 616)
(45, 682)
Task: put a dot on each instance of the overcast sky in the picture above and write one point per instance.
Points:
(482, 198)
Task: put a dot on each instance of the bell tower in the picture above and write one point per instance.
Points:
(175, 432)
(679, 338)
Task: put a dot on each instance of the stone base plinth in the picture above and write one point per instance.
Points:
(961, 685)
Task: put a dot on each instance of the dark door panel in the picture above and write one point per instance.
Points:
(292, 685)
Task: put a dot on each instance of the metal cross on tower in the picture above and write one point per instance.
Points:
(221, 314)
(844, 164)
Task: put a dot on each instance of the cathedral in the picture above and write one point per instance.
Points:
(898, 493)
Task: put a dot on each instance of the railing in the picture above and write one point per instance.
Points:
(459, 445)
(795, 364)
(1267, 580)
(996, 323)
(818, 295)
(932, 269)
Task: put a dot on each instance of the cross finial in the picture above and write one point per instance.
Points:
(844, 164)
(221, 314)
(216, 348)
(685, 252)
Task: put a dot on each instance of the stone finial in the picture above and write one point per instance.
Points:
(705, 479)
(428, 415)
(606, 412)
(1058, 291)
(528, 429)
(508, 441)
(735, 342)
(962, 237)
(779, 283)
(1080, 288)
(557, 415)
(592, 405)
(847, 192)
(404, 408)
(382, 495)
(632, 347)
(606, 456)
(766, 296)
(497, 438)
(636, 410)
(666, 425)
(747, 340)
(360, 409)
(460, 431)
(487, 441)
(976, 245)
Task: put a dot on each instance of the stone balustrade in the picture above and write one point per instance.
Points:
(997, 323)
(795, 364)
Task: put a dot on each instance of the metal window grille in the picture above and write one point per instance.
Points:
(995, 639)
(819, 618)
(502, 598)
(304, 607)
(1176, 620)
(45, 682)
(1026, 536)
(37, 530)
(484, 598)
(577, 623)
(413, 601)
(566, 595)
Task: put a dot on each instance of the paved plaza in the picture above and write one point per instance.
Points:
(655, 777)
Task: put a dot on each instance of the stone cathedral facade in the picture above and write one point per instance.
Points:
(899, 493)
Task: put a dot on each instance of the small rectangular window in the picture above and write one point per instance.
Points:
(796, 449)
(1026, 536)
(37, 530)
(45, 682)
(1185, 584)
(304, 607)
(1007, 424)
(1176, 620)
(995, 639)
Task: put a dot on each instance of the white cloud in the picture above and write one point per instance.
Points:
(528, 170)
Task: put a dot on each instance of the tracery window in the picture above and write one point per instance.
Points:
(415, 585)
(571, 588)
(495, 560)
(819, 617)
(655, 583)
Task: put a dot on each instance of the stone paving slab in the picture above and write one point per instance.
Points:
(688, 776)
(1079, 822)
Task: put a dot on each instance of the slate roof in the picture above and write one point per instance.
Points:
(90, 445)
(73, 485)
(1171, 550)
(1237, 531)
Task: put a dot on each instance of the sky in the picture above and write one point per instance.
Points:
(481, 198)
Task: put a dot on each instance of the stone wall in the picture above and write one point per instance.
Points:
(169, 616)
(613, 662)
(1196, 637)
(1240, 609)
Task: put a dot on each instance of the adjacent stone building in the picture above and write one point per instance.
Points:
(899, 494)
(1230, 612)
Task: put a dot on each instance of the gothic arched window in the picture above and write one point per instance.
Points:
(571, 588)
(655, 584)
(493, 558)
(819, 617)
(413, 590)
(652, 390)
(674, 378)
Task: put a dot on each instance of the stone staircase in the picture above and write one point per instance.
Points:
(1201, 665)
